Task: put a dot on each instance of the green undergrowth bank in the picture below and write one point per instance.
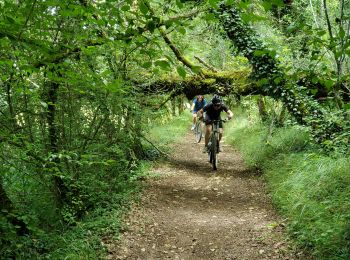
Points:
(84, 240)
(87, 238)
(310, 189)
(163, 135)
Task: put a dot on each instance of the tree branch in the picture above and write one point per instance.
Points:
(328, 22)
(206, 64)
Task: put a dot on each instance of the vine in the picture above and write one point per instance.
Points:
(266, 71)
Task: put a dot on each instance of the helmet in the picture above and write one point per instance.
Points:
(216, 100)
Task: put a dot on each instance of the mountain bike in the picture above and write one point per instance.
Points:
(213, 144)
(198, 130)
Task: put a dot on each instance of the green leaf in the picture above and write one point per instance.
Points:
(181, 71)
(259, 52)
(229, 2)
(347, 45)
(328, 83)
(337, 54)
(347, 106)
(244, 4)
(213, 3)
(143, 8)
(169, 58)
(277, 80)
(267, 5)
(249, 17)
(115, 86)
(209, 17)
(163, 64)
(179, 4)
(10, 19)
(125, 8)
(278, 2)
(262, 81)
(181, 30)
(151, 26)
(321, 32)
(196, 69)
(146, 64)
(347, 52)
(168, 23)
(313, 91)
(292, 27)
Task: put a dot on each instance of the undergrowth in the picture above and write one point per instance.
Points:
(309, 188)
(85, 240)
(101, 192)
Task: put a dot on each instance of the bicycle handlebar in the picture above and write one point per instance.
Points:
(220, 120)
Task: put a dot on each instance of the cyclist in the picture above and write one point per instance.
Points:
(198, 103)
(212, 112)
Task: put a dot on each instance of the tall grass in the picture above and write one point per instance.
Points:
(310, 189)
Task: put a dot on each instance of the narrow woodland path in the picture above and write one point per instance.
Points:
(192, 213)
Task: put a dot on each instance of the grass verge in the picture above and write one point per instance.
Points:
(310, 189)
(161, 135)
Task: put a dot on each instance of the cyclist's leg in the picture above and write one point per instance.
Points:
(221, 130)
(207, 121)
(207, 134)
(199, 115)
(194, 118)
(207, 137)
(221, 133)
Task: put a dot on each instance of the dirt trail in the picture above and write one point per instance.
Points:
(192, 213)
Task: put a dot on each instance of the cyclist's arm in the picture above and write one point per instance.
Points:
(229, 114)
(205, 108)
(192, 107)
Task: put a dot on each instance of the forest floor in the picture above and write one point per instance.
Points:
(193, 212)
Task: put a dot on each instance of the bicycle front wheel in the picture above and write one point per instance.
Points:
(198, 132)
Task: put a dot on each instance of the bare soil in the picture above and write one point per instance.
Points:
(193, 212)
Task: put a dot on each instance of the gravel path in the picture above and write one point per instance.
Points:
(192, 212)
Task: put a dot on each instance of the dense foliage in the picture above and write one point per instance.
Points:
(296, 98)
(82, 81)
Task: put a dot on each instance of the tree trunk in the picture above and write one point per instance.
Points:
(173, 107)
(6, 209)
(60, 188)
(5, 202)
(262, 108)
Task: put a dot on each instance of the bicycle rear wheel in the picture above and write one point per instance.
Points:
(198, 132)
